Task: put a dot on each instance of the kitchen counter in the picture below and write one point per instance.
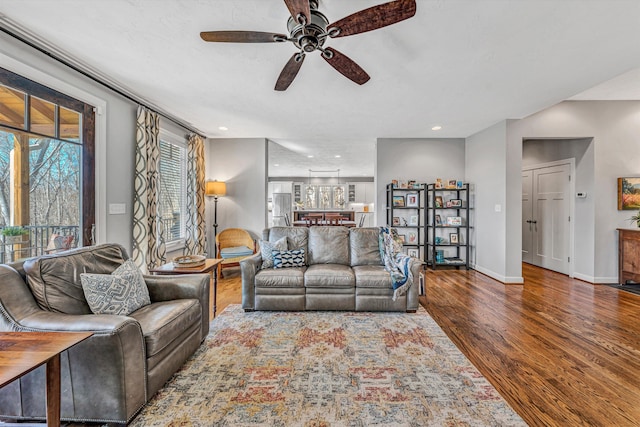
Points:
(300, 215)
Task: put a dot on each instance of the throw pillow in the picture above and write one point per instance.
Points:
(285, 259)
(121, 292)
(266, 249)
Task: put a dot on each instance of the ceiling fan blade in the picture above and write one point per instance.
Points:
(290, 71)
(373, 18)
(345, 66)
(242, 37)
(299, 7)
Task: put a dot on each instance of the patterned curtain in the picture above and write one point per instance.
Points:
(148, 240)
(196, 241)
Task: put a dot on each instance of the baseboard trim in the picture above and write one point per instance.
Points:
(499, 277)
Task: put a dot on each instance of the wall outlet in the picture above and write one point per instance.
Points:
(117, 208)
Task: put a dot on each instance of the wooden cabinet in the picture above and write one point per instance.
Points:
(628, 256)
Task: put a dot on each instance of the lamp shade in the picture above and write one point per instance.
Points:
(215, 188)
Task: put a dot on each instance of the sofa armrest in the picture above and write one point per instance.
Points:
(182, 286)
(412, 293)
(249, 267)
(106, 372)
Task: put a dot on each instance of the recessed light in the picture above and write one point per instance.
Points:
(223, 128)
(338, 156)
(436, 128)
(276, 164)
(310, 156)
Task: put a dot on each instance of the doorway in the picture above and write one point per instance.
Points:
(546, 215)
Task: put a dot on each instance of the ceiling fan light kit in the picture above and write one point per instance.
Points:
(308, 31)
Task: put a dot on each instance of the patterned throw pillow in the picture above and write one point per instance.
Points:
(285, 259)
(266, 249)
(121, 292)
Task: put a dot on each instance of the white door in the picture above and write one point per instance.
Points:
(527, 216)
(549, 210)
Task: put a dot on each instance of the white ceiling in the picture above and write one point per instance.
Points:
(461, 64)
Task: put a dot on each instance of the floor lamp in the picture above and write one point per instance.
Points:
(215, 189)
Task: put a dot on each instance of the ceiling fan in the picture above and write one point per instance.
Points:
(308, 30)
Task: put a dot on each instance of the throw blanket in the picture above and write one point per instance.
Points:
(396, 262)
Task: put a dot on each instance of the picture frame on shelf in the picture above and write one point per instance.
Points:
(438, 220)
(402, 238)
(459, 185)
(452, 183)
(413, 252)
(412, 237)
(453, 238)
(456, 203)
(398, 201)
(412, 200)
(394, 183)
(396, 221)
(438, 202)
(454, 221)
(411, 183)
(413, 220)
(438, 184)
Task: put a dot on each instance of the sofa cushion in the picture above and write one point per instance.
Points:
(55, 279)
(297, 237)
(163, 322)
(281, 278)
(267, 248)
(120, 293)
(329, 276)
(328, 245)
(288, 259)
(364, 246)
(372, 276)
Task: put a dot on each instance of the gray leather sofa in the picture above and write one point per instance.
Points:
(111, 375)
(343, 271)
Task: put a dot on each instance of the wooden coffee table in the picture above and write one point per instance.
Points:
(22, 352)
(210, 267)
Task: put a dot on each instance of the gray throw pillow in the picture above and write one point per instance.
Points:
(267, 248)
(121, 292)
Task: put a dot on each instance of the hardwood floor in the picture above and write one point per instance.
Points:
(562, 352)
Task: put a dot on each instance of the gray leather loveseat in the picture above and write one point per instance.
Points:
(343, 270)
(112, 374)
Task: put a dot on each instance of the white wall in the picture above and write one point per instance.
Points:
(486, 171)
(614, 126)
(242, 164)
(420, 159)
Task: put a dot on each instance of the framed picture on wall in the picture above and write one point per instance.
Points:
(629, 193)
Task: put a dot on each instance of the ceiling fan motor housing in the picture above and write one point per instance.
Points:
(310, 36)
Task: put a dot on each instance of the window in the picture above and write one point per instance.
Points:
(47, 179)
(172, 172)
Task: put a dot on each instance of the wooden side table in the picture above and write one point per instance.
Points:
(22, 352)
(210, 267)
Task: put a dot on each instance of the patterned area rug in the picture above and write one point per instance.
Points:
(327, 369)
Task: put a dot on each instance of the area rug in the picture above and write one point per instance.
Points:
(326, 369)
(634, 289)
